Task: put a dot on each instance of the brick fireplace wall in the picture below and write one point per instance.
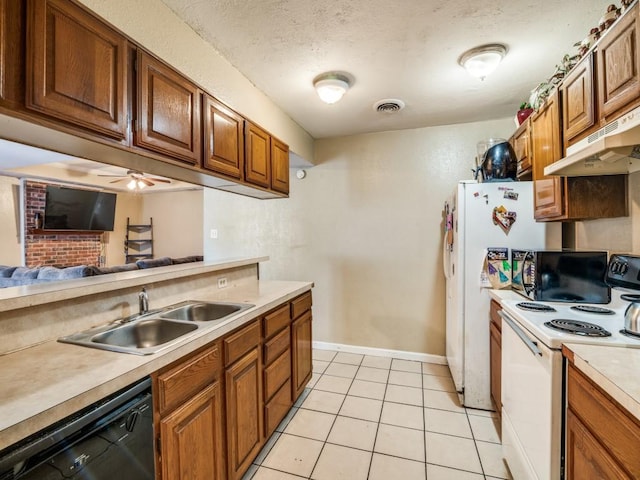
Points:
(59, 249)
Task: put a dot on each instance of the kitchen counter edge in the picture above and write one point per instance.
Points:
(94, 374)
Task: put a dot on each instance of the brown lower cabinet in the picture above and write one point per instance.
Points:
(215, 408)
(495, 355)
(602, 438)
(188, 403)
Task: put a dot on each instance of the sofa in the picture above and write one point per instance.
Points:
(11, 276)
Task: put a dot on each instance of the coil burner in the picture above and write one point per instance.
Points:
(535, 307)
(630, 334)
(593, 309)
(577, 327)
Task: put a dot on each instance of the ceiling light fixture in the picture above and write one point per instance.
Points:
(482, 61)
(331, 86)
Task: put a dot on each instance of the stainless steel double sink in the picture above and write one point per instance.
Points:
(147, 333)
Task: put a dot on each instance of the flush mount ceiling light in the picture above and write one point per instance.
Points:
(482, 61)
(331, 86)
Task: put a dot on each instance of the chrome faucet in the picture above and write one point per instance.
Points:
(143, 301)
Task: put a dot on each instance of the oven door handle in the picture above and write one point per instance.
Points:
(533, 346)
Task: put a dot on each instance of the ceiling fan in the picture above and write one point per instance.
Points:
(137, 179)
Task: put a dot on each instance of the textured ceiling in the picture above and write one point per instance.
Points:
(405, 49)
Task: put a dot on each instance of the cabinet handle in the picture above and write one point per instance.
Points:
(533, 346)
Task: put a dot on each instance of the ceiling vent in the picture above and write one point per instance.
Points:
(388, 105)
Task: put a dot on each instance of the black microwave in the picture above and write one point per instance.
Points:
(560, 276)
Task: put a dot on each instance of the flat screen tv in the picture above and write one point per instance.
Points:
(75, 209)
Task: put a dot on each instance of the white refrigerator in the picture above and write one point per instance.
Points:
(482, 216)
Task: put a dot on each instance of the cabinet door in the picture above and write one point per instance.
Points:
(279, 166)
(76, 67)
(12, 52)
(169, 111)
(586, 457)
(301, 350)
(522, 146)
(192, 438)
(578, 100)
(495, 355)
(244, 412)
(546, 149)
(223, 139)
(619, 65)
(257, 156)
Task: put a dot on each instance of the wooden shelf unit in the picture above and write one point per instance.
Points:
(143, 246)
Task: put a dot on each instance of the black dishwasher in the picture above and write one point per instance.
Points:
(111, 439)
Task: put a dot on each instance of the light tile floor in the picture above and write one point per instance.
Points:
(375, 418)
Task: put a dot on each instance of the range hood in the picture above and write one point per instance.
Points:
(612, 150)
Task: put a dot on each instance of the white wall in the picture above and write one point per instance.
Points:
(10, 248)
(177, 222)
(127, 205)
(365, 226)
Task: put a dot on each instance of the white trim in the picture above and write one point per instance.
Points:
(382, 352)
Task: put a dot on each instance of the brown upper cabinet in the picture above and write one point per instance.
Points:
(579, 102)
(546, 148)
(12, 53)
(223, 139)
(169, 111)
(521, 143)
(569, 198)
(258, 155)
(279, 166)
(76, 68)
(618, 65)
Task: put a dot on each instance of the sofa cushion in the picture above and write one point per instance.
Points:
(119, 268)
(53, 273)
(154, 262)
(25, 272)
(189, 259)
(6, 272)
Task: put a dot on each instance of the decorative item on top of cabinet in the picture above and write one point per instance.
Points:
(602, 436)
(76, 68)
(223, 139)
(495, 355)
(301, 341)
(569, 198)
(257, 155)
(618, 67)
(244, 408)
(579, 102)
(169, 111)
(188, 401)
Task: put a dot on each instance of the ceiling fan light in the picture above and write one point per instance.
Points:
(331, 87)
(482, 61)
(141, 184)
(132, 184)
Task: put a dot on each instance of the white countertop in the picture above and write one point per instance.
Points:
(614, 369)
(47, 382)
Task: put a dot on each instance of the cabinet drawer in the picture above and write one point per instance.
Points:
(182, 381)
(300, 305)
(276, 320)
(277, 408)
(612, 425)
(276, 374)
(495, 317)
(239, 343)
(278, 344)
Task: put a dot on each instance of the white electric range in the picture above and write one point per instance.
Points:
(533, 373)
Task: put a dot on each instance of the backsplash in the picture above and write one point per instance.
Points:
(57, 250)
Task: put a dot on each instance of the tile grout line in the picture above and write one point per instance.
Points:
(375, 438)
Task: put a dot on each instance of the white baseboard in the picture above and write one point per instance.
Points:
(382, 352)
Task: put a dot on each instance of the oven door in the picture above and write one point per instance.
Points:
(531, 404)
